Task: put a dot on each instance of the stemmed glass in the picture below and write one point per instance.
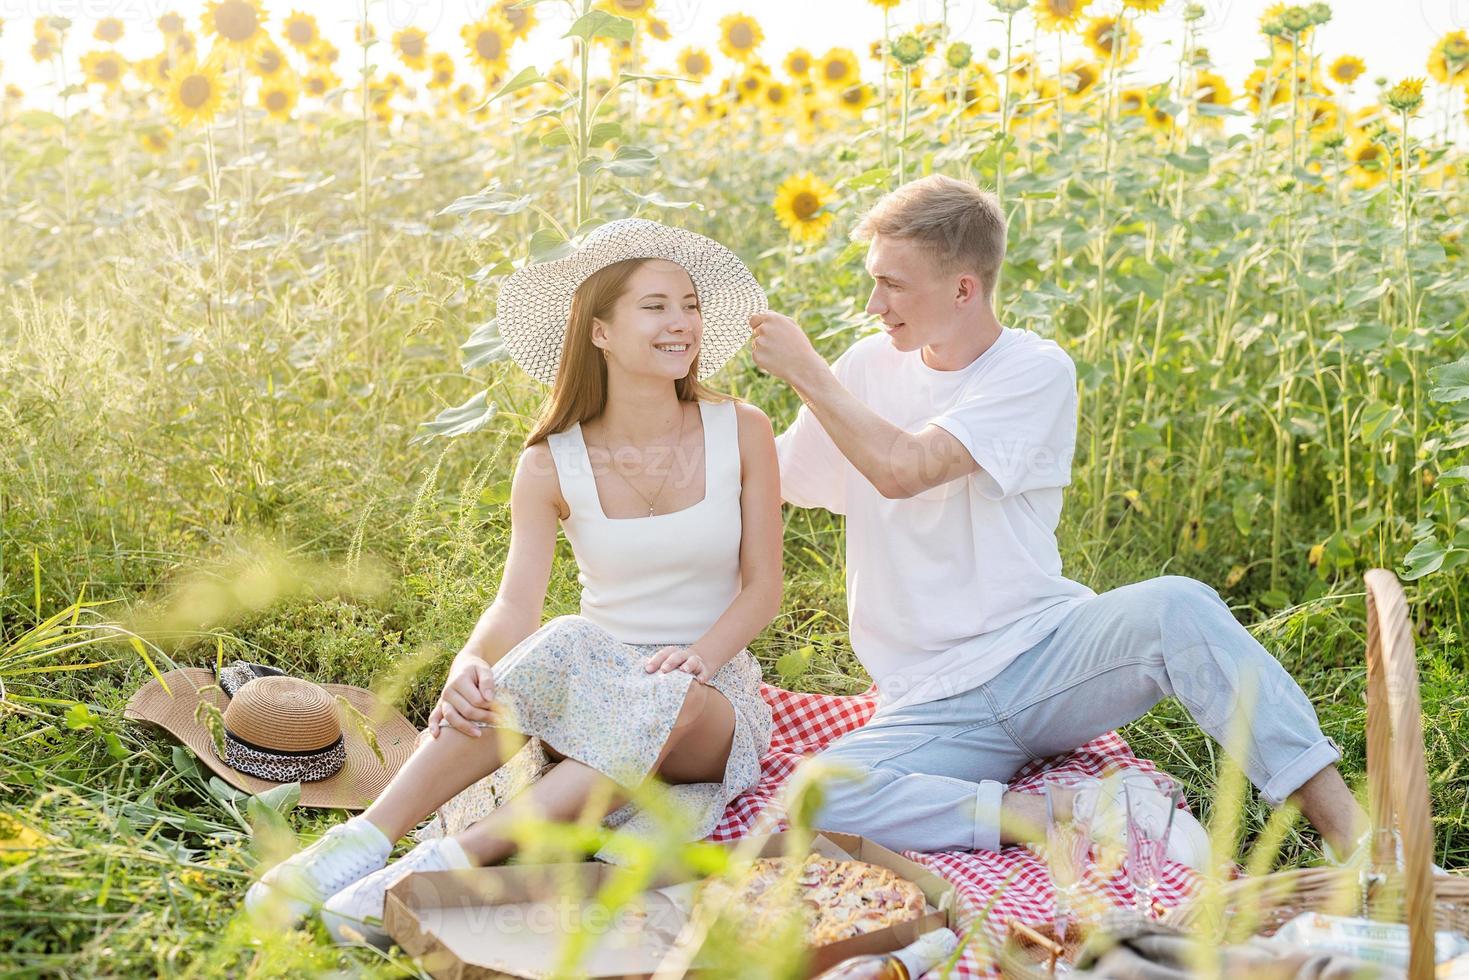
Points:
(1071, 806)
(1152, 800)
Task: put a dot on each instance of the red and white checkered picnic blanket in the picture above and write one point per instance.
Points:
(1014, 879)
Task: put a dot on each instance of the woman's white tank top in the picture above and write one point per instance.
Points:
(666, 578)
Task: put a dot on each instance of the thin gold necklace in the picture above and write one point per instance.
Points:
(654, 502)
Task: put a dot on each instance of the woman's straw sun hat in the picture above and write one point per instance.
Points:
(535, 302)
(280, 729)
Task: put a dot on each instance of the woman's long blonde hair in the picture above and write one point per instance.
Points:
(580, 391)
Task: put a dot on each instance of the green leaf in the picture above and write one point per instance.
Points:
(604, 132)
(1451, 381)
(1455, 477)
(876, 177)
(495, 203)
(1426, 558)
(599, 23)
(547, 244)
(1242, 509)
(525, 78)
(1377, 419)
(792, 665)
(556, 137)
(472, 416)
(1366, 292)
(282, 799)
(1195, 161)
(483, 346)
(628, 161)
(1371, 335)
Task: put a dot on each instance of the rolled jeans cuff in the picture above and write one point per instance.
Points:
(988, 798)
(1294, 774)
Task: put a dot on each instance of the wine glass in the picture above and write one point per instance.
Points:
(1151, 800)
(1071, 805)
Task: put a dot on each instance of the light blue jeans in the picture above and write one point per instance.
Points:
(930, 776)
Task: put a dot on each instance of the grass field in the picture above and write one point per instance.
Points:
(254, 404)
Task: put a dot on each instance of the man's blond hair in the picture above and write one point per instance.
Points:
(962, 227)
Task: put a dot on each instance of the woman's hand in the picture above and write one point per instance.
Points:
(679, 658)
(467, 702)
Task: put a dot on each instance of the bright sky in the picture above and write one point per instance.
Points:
(1393, 38)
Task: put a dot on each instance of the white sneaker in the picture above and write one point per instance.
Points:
(339, 857)
(1188, 841)
(355, 914)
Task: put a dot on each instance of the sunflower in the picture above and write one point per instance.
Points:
(194, 93)
(885, 4)
(1210, 89)
(465, 98)
(237, 24)
(323, 53)
(739, 36)
(1132, 101)
(441, 71)
(1081, 77)
(43, 48)
(1159, 119)
(1022, 73)
(775, 96)
(635, 10)
(1448, 62)
(974, 98)
(695, 63)
(108, 30)
(856, 98)
(1346, 69)
(155, 139)
(319, 81)
(838, 69)
(1369, 162)
(798, 63)
(1144, 6)
(1405, 96)
(104, 68)
(278, 97)
(183, 44)
(412, 46)
(748, 84)
(301, 30)
(488, 41)
(1322, 115)
(658, 29)
(153, 72)
(1102, 34)
(710, 108)
(520, 19)
(1059, 15)
(801, 203)
(171, 23)
(269, 61)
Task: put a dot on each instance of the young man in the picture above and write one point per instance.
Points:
(946, 440)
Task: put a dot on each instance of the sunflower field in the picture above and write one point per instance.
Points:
(255, 404)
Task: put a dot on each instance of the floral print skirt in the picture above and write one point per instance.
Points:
(575, 686)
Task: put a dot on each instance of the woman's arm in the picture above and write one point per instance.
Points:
(761, 569)
(535, 507)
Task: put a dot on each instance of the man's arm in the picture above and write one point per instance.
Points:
(897, 463)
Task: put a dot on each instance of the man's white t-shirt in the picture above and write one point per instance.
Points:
(946, 588)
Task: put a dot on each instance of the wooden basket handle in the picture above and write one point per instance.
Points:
(1397, 775)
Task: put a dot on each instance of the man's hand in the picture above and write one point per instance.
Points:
(780, 347)
(679, 658)
(467, 703)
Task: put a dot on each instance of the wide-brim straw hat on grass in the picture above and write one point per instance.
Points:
(280, 729)
(534, 308)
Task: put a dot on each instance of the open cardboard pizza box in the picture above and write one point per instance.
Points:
(515, 920)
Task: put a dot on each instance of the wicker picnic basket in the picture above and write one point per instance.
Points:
(1399, 810)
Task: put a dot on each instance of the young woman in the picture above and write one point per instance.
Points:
(669, 495)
